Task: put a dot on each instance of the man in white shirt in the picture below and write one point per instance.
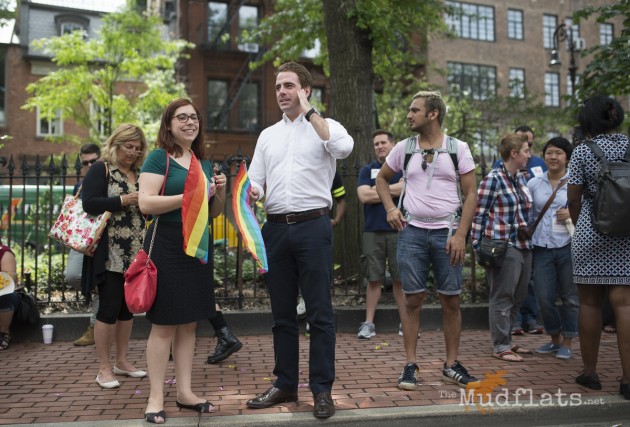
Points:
(433, 227)
(295, 161)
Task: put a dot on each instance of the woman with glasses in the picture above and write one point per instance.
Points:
(111, 184)
(185, 288)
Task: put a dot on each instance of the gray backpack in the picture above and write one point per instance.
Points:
(611, 202)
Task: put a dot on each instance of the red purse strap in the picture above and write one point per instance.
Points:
(168, 161)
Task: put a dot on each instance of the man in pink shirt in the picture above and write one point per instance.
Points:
(433, 225)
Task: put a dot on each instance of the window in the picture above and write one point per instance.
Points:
(98, 117)
(516, 83)
(3, 85)
(472, 80)
(69, 22)
(606, 33)
(552, 89)
(569, 88)
(47, 127)
(247, 21)
(471, 21)
(217, 24)
(248, 106)
(314, 51)
(549, 27)
(573, 29)
(217, 105)
(515, 24)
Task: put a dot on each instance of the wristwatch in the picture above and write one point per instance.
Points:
(309, 113)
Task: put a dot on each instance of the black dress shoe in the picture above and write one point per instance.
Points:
(324, 407)
(272, 396)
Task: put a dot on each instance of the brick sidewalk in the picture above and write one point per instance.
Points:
(55, 383)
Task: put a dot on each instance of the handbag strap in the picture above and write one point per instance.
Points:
(168, 161)
(544, 209)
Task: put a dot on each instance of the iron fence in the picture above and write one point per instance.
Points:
(31, 195)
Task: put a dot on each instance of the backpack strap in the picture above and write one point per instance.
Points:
(410, 148)
(452, 151)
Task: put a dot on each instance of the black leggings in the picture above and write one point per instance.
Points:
(111, 295)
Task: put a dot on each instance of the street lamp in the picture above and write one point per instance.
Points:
(564, 32)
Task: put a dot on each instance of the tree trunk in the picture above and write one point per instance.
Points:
(351, 104)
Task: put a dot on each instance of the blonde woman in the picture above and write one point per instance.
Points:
(111, 184)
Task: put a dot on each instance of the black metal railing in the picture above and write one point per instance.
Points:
(31, 195)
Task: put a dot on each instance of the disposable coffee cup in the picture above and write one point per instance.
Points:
(47, 331)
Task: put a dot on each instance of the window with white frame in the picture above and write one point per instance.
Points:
(515, 24)
(550, 22)
(218, 114)
(67, 23)
(516, 82)
(569, 85)
(70, 27)
(574, 29)
(47, 127)
(606, 33)
(472, 80)
(97, 116)
(471, 21)
(552, 89)
(218, 24)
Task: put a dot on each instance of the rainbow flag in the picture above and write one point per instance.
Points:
(246, 220)
(195, 215)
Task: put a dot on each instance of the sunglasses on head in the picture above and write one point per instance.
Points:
(89, 162)
(430, 151)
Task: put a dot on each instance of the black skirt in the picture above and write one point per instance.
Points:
(185, 287)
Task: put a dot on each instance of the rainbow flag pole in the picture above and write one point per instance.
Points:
(246, 220)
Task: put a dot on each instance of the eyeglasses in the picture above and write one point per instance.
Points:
(137, 151)
(425, 153)
(183, 117)
(89, 162)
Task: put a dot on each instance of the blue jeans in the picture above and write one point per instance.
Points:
(528, 313)
(418, 249)
(553, 278)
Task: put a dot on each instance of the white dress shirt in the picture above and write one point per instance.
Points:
(296, 166)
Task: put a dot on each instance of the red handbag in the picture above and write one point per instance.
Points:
(141, 280)
(141, 276)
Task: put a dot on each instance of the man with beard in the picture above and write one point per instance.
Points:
(432, 226)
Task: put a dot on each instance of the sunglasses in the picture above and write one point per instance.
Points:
(430, 151)
(89, 162)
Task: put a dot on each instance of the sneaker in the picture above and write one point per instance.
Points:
(548, 348)
(589, 381)
(457, 374)
(563, 353)
(535, 330)
(366, 330)
(301, 308)
(407, 379)
(400, 332)
(517, 331)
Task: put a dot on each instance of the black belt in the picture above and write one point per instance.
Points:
(293, 217)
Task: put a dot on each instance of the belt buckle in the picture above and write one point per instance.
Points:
(289, 222)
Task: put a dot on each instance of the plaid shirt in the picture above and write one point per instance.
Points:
(503, 205)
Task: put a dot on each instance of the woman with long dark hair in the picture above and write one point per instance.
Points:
(185, 290)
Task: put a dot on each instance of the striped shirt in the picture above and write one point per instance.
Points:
(503, 205)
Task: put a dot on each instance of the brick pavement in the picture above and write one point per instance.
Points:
(55, 383)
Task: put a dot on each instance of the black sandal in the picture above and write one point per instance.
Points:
(5, 339)
(151, 416)
(203, 408)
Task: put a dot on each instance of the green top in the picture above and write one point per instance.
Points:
(156, 163)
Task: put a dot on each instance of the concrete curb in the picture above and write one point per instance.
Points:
(602, 411)
(69, 327)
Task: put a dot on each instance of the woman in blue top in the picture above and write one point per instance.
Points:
(552, 263)
(185, 290)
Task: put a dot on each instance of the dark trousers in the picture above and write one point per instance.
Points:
(301, 255)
